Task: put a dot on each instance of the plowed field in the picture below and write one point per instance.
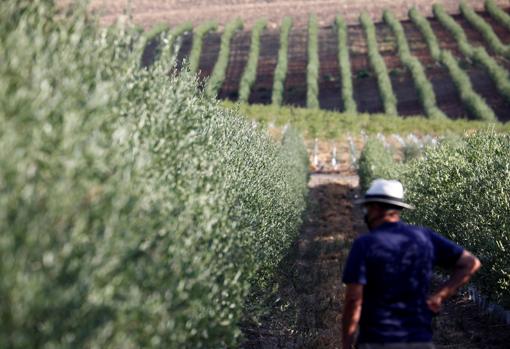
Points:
(148, 12)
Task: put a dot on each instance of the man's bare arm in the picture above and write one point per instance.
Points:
(465, 267)
(351, 314)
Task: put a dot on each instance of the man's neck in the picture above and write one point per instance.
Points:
(389, 217)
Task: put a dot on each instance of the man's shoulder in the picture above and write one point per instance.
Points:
(414, 228)
(363, 238)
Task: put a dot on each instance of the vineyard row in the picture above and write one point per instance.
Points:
(475, 104)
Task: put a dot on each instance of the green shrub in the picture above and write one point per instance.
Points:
(454, 28)
(498, 14)
(375, 162)
(461, 189)
(498, 74)
(250, 71)
(135, 211)
(421, 82)
(345, 66)
(485, 29)
(426, 30)
(156, 31)
(198, 40)
(220, 68)
(475, 104)
(325, 124)
(312, 69)
(377, 63)
(280, 72)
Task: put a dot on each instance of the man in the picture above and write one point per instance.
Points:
(388, 271)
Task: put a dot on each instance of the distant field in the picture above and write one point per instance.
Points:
(149, 12)
(407, 77)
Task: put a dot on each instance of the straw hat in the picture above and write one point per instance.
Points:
(386, 191)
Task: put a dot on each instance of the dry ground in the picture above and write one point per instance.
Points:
(149, 12)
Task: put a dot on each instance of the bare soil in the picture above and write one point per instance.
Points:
(462, 325)
(365, 89)
(150, 52)
(500, 30)
(447, 96)
(149, 12)
(306, 309)
(330, 89)
(401, 79)
(185, 42)
(238, 57)
(295, 83)
(263, 86)
(210, 52)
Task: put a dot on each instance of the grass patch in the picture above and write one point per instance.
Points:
(330, 125)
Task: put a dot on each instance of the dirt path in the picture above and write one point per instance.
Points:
(307, 308)
(149, 12)
(306, 304)
(461, 325)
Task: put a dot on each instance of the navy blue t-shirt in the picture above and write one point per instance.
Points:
(394, 263)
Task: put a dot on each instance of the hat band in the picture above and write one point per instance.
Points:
(384, 197)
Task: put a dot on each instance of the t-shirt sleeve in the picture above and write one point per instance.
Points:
(355, 266)
(446, 252)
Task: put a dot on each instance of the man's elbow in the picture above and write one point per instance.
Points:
(471, 262)
(476, 264)
(353, 303)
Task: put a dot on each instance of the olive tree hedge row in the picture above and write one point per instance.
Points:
(135, 211)
(422, 83)
(377, 63)
(460, 188)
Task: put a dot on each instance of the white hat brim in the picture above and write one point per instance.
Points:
(385, 201)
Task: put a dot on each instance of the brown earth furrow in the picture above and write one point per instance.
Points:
(149, 12)
(307, 313)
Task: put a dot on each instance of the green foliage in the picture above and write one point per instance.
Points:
(320, 123)
(135, 211)
(198, 40)
(152, 40)
(454, 28)
(475, 104)
(377, 63)
(462, 190)
(250, 71)
(498, 14)
(345, 66)
(375, 162)
(162, 35)
(220, 68)
(422, 83)
(156, 31)
(175, 33)
(411, 151)
(485, 29)
(497, 73)
(426, 30)
(398, 31)
(280, 72)
(312, 69)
